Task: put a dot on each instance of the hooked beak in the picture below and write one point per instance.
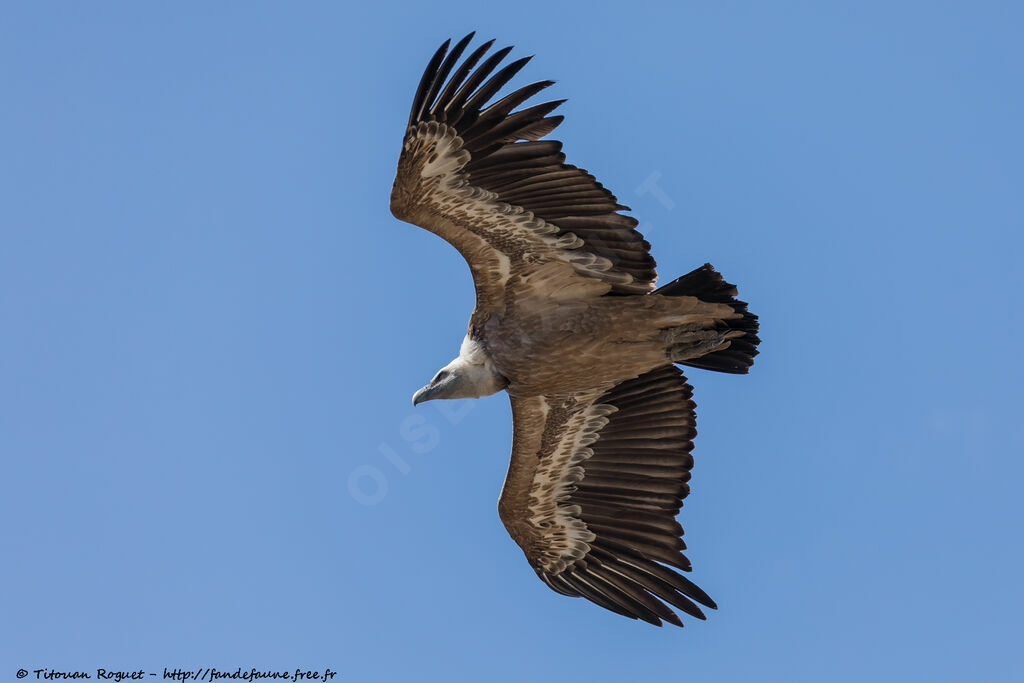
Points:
(439, 387)
(424, 394)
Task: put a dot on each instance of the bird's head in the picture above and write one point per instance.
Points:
(471, 375)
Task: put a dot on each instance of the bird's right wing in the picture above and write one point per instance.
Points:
(595, 483)
(479, 175)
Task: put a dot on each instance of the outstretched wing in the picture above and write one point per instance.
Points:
(478, 174)
(594, 487)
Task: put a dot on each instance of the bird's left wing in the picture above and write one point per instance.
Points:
(595, 483)
(478, 174)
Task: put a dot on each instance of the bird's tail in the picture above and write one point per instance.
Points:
(734, 342)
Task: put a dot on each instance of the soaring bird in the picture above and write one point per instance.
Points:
(568, 322)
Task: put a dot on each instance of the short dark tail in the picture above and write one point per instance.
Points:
(707, 284)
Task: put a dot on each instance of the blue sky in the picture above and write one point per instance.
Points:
(211, 328)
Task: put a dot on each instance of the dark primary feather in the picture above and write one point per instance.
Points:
(508, 159)
(434, 76)
(440, 106)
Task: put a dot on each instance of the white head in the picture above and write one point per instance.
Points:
(470, 375)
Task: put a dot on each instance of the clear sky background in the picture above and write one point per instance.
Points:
(211, 328)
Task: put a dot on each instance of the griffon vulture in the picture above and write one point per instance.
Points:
(568, 322)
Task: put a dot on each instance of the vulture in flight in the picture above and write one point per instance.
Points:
(569, 323)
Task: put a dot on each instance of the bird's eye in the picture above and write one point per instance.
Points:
(441, 376)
